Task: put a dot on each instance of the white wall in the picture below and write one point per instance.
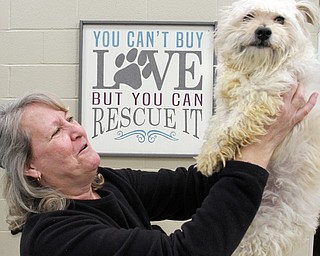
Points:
(39, 52)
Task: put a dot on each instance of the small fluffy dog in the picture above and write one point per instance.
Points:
(263, 47)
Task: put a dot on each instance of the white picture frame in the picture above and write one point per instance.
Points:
(146, 88)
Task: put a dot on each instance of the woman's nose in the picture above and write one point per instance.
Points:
(75, 130)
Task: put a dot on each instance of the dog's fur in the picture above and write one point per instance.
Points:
(255, 67)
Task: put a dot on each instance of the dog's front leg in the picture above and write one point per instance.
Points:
(222, 141)
(209, 158)
(229, 131)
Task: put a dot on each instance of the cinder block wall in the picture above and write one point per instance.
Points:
(39, 51)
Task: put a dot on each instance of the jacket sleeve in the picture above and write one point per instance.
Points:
(216, 227)
(168, 194)
(227, 211)
(177, 194)
(221, 207)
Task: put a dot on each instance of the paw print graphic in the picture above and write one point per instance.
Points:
(131, 74)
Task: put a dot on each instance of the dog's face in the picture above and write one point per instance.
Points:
(261, 34)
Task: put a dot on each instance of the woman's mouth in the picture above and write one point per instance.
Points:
(83, 148)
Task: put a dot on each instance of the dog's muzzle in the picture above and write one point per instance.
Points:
(263, 35)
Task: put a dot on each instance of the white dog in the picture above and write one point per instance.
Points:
(263, 47)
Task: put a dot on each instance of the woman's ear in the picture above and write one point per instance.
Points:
(32, 172)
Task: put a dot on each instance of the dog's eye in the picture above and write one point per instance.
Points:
(248, 17)
(279, 19)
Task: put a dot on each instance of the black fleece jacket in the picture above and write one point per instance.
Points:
(219, 209)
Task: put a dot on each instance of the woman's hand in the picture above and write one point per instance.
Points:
(292, 112)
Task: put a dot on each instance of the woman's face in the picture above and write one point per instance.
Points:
(61, 153)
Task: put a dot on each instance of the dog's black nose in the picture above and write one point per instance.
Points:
(263, 33)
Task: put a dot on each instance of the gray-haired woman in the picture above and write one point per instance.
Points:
(65, 204)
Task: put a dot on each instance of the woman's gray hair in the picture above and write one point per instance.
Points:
(25, 195)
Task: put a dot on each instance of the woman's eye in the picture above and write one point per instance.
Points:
(70, 119)
(279, 19)
(56, 132)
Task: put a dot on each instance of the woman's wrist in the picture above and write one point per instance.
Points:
(256, 153)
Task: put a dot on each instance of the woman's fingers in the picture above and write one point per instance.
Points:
(288, 96)
(295, 104)
(298, 98)
(305, 109)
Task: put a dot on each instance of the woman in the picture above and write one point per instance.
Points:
(65, 204)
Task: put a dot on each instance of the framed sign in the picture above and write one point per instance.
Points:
(146, 88)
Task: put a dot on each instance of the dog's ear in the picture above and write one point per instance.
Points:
(309, 10)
